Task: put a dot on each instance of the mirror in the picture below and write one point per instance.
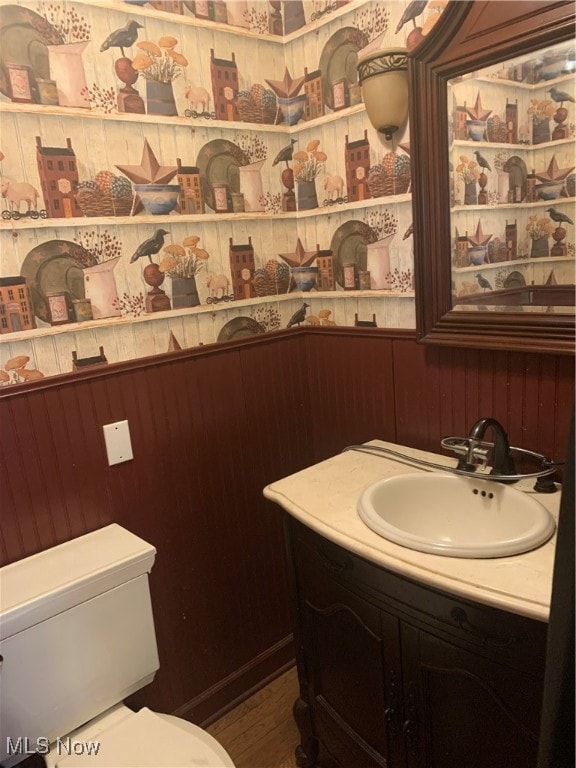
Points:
(494, 253)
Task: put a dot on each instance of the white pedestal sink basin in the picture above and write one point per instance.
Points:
(455, 516)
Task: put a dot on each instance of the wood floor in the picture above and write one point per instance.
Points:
(260, 732)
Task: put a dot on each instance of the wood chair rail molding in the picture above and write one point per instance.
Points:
(205, 350)
(470, 35)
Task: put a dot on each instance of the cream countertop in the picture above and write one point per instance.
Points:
(324, 498)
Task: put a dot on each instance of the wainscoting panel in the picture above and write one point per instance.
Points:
(208, 432)
(351, 382)
(210, 427)
(441, 392)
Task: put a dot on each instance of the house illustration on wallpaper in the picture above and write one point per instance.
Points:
(512, 122)
(58, 171)
(242, 267)
(16, 308)
(459, 118)
(325, 264)
(224, 75)
(357, 161)
(191, 198)
(314, 94)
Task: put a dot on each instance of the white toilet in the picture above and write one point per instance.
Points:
(76, 638)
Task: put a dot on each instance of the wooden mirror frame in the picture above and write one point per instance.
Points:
(470, 35)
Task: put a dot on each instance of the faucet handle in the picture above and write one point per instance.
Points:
(480, 454)
(458, 445)
(473, 453)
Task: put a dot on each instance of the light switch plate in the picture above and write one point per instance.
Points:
(118, 443)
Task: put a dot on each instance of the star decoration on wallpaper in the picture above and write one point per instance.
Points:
(149, 171)
(477, 112)
(479, 238)
(287, 88)
(300, 258)
(554, 173)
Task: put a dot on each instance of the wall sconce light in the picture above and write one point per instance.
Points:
(383, 76)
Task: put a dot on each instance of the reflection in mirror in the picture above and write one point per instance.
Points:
(487, 183)
(511, 134)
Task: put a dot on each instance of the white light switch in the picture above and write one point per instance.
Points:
(118, 444)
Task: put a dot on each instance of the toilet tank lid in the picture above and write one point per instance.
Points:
(49, 582)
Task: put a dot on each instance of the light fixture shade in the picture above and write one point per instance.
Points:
(383, 76)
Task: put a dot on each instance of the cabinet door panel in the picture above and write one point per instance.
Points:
(352, 660)
(519, 642)
(468, 711)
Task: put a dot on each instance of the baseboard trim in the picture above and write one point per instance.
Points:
(227, 693)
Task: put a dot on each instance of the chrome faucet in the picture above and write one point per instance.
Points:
(477, 452)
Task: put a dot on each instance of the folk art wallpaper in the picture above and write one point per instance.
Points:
(512, 181)
(182, 173)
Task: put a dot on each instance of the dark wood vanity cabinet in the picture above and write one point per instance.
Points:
(396, 674)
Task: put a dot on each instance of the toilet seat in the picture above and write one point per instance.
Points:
(141, 739)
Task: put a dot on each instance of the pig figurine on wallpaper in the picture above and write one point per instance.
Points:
(334, 186)
(197, 97)
(18, 192)
(217, 283)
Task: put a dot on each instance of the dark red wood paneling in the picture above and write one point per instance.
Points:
(209, 429)
(442, 392)
(351, 385)
(208, 432)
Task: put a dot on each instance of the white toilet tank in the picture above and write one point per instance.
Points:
(76, 636)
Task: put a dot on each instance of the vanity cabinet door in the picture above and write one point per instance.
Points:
(352, 660)
(394, 674)
(464, 709)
